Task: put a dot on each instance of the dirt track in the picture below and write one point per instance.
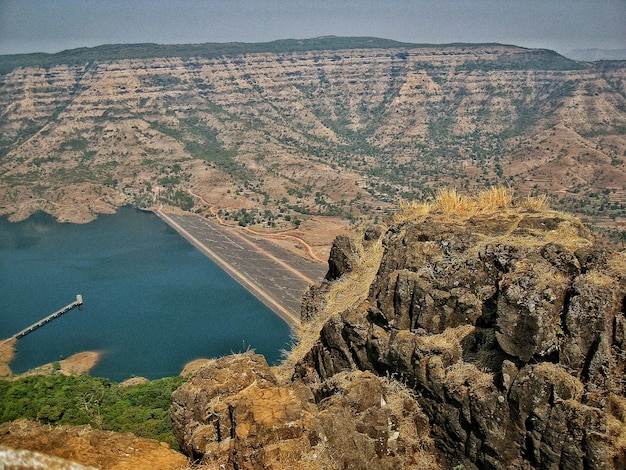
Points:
(274, 275)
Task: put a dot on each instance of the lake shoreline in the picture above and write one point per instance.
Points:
(153, 301)
(254, 282)
(77, 364)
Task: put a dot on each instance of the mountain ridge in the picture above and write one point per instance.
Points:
(107, 52)
(272, 139)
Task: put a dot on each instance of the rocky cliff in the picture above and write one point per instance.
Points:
(509, 324)
(487, 332)
(235, 413)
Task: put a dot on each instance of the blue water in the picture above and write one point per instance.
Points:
(152, 301)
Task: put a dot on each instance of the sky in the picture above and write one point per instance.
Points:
(562, 25)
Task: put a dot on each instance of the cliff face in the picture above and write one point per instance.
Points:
(493, 328)
(234, 413)
(509, 326)
(326, 131)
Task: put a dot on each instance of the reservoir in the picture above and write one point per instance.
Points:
(152, 302)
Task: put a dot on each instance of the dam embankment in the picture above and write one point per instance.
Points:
(277, 277)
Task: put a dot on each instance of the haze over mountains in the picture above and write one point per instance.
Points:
(271, 133)
(591, 55)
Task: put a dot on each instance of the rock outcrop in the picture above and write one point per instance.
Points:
(234, 413)
(30, 445)
(510, 327)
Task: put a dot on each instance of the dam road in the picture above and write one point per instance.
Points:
(274, 275)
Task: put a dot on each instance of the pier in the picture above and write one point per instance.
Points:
(77, 303)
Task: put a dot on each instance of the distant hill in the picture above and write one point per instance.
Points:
(271, 134)
(214, 50)
(591, 55)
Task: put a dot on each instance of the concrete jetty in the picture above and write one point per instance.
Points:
(77, 303)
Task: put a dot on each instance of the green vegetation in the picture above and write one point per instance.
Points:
(200, 141)
(56, 399)
(78, 144)
(87, 55)
(178, 198)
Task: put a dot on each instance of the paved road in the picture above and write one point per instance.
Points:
(273, 274)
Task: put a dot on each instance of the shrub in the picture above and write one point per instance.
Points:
(141, 409)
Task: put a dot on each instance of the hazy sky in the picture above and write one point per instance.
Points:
(562, 25)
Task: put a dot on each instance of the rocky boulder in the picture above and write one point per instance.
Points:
(234, 413)
(343, 255)
(510, 327)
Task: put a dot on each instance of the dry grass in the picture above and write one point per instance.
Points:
(448, 340)
(533, 203)
(494, 199)
(449, 202)
(465, 379)
(397, 394)
(565, 385)
(616, 422)
(599, 279)
(411, 211)
(352, 288)
(617, 264)
(348, 291)
(545, 276)
(567, 234)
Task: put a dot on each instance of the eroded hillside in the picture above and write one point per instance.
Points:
(272, 137)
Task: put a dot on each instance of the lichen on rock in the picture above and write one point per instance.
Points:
(507, 322)
(234, 413)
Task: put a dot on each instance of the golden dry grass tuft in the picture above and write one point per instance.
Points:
(449, 339)
(599, 279)
(616, 422)
(565, 384)
(412, 210)
(423, 445)
(449, 202)
(493, 199)
(352, 288)
(532, 203)
(500, 202)
(464, 379)
(617, 264)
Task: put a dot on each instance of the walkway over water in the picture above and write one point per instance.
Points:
(277, 277)
(78, 302)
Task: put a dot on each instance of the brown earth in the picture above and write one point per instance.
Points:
(94, 448)
(76, 364)
(7, 351)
